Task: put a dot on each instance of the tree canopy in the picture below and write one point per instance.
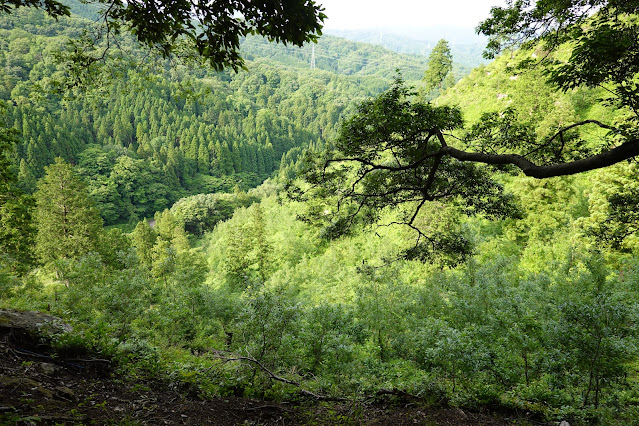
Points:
(210, 30)
(603, 38)
(399, 151)
(539, 318)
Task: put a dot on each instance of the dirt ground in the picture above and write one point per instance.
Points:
(37, 389)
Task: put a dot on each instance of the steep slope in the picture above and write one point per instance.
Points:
(466, 55)
(499, 85)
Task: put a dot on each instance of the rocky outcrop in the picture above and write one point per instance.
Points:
(30, 326)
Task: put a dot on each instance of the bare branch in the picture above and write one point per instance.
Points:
(374, 166)
(560, 132)
(279, 378)
(419, 207)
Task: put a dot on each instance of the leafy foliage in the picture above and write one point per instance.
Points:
(613, 204)
(16, 230)
(603, 52)
(389, 155)
(539, 317)
(200, 213)
(211, 31)
(375, 163)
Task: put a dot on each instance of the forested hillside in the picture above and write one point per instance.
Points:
(184, 130)
(466, 55)
(273, 269)
(341, 56)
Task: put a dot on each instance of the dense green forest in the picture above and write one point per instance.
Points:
(234, 291)
(199, 131)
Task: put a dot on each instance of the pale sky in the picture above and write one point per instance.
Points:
(377, 14)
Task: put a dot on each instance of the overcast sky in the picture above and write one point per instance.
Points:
(387, 14)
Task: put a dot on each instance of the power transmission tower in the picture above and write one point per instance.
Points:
(313, 56)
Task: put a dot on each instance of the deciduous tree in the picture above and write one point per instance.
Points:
(396, 151)
(210, 30)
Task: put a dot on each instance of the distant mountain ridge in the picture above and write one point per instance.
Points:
(340, 56)
(466, 52)
(346, 52)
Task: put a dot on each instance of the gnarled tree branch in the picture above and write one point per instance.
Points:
(625, 151)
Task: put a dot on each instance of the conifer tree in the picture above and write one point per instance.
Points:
(68, 225)
(163, 256)
(144, 238)
(440, 63)
(16, 230)
(262, 248)
(248, 252)
(237, 261)
(203, 161)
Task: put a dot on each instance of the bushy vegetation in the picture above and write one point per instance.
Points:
(227, 292)
(544, 323)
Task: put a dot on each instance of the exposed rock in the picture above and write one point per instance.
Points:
(63, 392)
(48, 368)
(31, 324)
(24, 385)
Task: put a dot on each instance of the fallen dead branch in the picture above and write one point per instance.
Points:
(399, 393)
(274, 376)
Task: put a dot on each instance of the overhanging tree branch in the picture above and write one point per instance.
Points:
(625, 151)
